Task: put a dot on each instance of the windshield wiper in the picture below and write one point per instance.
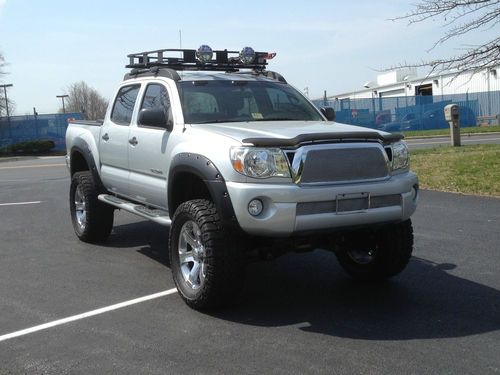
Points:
(211, 122)
(277, 119)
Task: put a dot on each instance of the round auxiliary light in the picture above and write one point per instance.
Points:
(204, 54)
(247, 55)
(255, 207)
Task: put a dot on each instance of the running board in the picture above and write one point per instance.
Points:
(158, 216)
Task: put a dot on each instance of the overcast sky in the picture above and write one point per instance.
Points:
(322, 45)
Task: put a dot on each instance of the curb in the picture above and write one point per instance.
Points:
(16, 158)
(447, 135)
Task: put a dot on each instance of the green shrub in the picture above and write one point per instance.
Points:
(28, 147)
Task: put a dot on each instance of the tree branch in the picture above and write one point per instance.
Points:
(462, 17)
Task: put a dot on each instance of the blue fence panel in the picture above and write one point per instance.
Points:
(412, 112)
(25, 128)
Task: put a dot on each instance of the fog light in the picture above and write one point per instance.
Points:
(255, 207)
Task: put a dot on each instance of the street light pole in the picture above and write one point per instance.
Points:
(62, 98)
(7, 105)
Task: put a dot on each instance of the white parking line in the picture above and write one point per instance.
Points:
(19, 203)
(86, 314)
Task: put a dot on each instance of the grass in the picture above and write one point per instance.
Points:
(464, 131)
(473, 169)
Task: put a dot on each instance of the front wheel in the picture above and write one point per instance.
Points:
(207, 268)
(378, 255)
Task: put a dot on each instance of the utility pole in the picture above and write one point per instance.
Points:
(7, 106)
(35, 116)
(62, 98)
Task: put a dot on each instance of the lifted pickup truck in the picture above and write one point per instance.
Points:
(238, 163)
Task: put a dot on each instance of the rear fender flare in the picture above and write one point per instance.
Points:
(81, 147)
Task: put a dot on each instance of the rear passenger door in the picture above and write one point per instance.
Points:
(147, 158)
(114, 142)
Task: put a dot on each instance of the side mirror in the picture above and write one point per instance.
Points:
(157, 118)
(329, 113)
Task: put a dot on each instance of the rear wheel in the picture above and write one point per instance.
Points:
(208, 269)
(92, 219)
(380, 255)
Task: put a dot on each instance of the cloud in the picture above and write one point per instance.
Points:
(2, 3)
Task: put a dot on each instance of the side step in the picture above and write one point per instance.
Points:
(158, 216)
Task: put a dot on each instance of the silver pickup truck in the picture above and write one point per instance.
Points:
(237, 164)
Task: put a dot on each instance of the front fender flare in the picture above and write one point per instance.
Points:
(204, 169)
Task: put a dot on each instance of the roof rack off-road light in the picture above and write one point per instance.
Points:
(247, 55)
(204, 54)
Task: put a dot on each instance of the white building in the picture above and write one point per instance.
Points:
(405, 82)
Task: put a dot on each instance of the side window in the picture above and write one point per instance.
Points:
(156, 96)
(124, 105)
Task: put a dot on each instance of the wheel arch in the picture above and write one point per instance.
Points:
(82, 159)
(193, 176)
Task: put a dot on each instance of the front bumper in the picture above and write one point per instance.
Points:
(280, 216)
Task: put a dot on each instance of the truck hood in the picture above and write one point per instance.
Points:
(285, 133)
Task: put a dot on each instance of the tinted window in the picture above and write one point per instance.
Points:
(280, 99)
(124, 105)
(156, 96)
(215, 101)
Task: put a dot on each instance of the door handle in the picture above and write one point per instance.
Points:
(105, 137)
(133, 141)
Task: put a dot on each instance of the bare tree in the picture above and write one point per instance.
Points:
(460, 17)
(85, 99)
(10, 102)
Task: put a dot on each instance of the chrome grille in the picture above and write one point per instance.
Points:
(340, 163)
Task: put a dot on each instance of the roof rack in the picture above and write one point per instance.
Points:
(228, 61)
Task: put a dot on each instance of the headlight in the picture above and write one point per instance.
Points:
(400, 156)
(259, 162)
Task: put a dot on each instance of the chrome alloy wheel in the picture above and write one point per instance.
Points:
(192, 255)
(80, 211)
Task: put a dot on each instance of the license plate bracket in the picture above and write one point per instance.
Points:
(352, 203)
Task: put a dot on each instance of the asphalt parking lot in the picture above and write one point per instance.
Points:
(297, 314)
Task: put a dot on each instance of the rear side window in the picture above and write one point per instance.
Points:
(124, 105)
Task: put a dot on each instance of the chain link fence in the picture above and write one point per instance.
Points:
(415, 112)
(26, 128)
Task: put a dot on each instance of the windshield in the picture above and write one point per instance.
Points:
(218, 101)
